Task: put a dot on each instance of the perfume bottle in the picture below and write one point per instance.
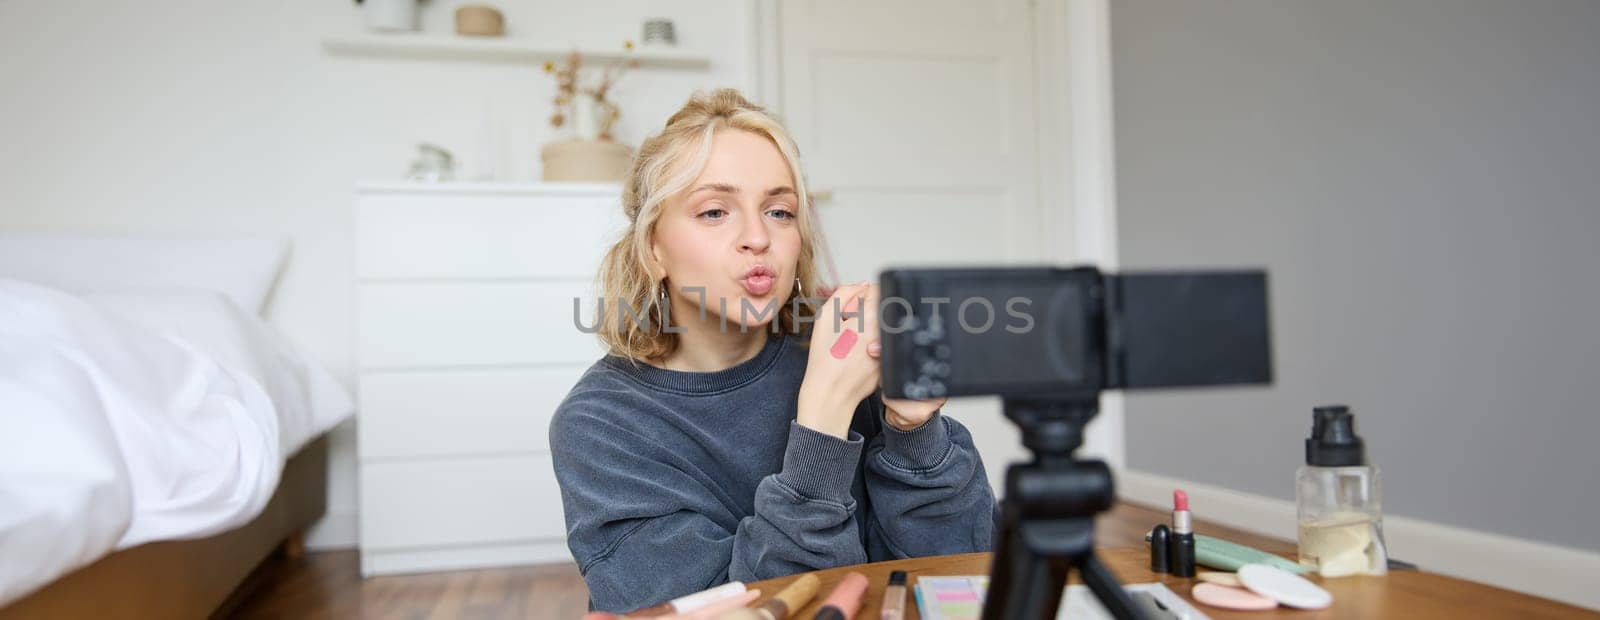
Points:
(1337, 497)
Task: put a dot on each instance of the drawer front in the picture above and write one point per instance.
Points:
(454, 413)
(484, 235)
(419, 504)
(441, 324)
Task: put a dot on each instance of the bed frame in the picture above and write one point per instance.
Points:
(190, 578)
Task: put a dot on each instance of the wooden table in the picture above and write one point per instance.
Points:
(1400, 594)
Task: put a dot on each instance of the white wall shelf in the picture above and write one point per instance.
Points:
(542, 188)
(502, 49)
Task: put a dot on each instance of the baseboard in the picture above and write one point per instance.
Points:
(1527, 566)
(336, 530)
(394, 562)
(1247, 511)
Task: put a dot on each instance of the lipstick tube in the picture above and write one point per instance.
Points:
(1181, 548)
(845, 600)
(1160, 540)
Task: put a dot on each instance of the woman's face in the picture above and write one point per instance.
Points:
(732, 232)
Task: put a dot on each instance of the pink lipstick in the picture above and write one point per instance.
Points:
(1182, 545)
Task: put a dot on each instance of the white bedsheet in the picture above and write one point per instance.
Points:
(132, 417)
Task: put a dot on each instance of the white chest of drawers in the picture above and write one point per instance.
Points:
(466, 344)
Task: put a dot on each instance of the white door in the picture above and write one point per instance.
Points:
(916, 124)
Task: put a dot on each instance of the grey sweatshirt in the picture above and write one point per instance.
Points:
(674, 482)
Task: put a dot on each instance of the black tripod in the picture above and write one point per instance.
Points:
(1047, 517)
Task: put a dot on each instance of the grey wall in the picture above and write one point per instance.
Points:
(1422, 179)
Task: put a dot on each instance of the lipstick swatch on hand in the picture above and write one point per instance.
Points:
(841, 347)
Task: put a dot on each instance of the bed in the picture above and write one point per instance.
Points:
(188, 578)
(158, 439)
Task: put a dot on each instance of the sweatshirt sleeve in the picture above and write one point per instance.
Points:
(929, 491)
(645, 530)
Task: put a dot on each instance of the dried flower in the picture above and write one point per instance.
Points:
(567, 88)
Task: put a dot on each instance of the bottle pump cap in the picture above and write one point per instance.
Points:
(1333, 441)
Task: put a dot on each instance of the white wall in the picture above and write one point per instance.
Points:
(191, 118)
(1421, 184)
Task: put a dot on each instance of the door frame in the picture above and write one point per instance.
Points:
(1077, 160)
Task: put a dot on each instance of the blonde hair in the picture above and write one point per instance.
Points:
(666, 164)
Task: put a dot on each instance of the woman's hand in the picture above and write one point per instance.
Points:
(843, 367)
(909, 415)
(906, 414)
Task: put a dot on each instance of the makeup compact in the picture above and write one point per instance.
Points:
(1227, 597)
(1284, 587)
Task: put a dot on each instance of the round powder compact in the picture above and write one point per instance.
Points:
(1230, 598)
(1284, 587)
(1222, 579)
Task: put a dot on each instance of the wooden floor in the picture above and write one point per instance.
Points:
(329, 585)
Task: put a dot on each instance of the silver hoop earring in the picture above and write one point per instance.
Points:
(661, 307)
(799, 287)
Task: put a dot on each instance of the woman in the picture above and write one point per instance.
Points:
(730, 445)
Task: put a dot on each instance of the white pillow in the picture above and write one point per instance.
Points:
(244, 270)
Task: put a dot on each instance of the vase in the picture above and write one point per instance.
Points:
(586, 161)
(391, 15)
(584, 124)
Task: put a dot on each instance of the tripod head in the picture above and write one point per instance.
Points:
(1051, 429)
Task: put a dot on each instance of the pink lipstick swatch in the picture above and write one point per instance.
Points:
(842, 346)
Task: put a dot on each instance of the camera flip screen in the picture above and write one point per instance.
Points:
(1069, 333)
